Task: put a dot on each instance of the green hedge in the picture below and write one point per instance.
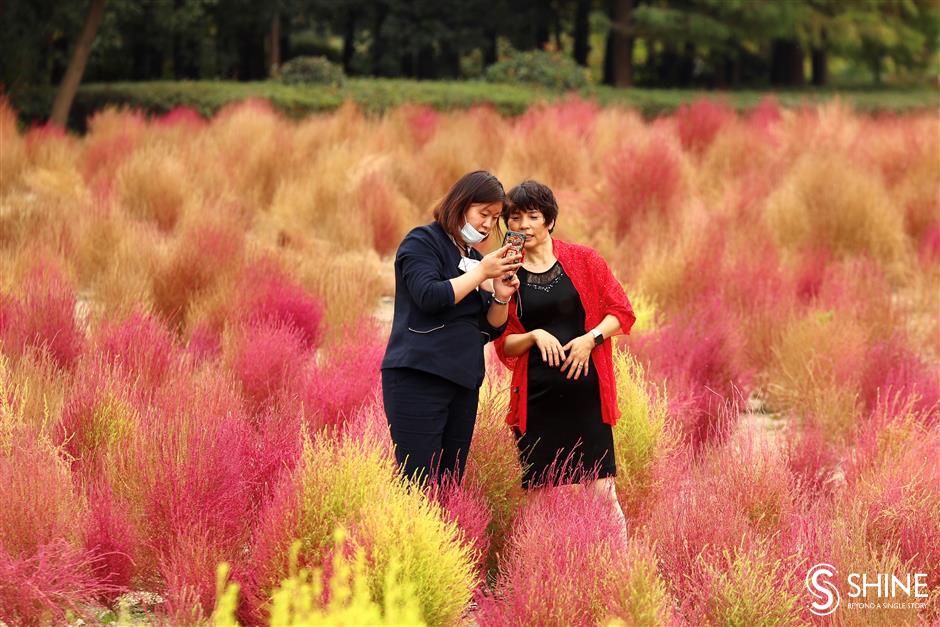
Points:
(377, 95)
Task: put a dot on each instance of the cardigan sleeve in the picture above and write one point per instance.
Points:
(613, 296)
(422, 272)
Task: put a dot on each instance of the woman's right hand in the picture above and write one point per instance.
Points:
(498, 264)
(552, 352)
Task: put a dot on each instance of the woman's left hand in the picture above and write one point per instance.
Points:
(579, 356)
(505, 288)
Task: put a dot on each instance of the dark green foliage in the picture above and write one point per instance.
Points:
(311, 71)
(379, 95)
(538, 67)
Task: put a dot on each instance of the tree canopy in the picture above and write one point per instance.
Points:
(706, 43)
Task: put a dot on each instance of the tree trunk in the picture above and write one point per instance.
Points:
(786, 63)
(582, 44)
(73, 75)
(620, 44)
(490, 52)
(820, 62)
(426, 68)
(820, 67)
(542, 20)
(377, 49)
(686, 66)
(275, 60)
(349, 40)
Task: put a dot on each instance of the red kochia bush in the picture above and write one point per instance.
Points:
(272, 297)
(269, 362)
(930, 245)
(738, 497)
(700, 122)
(892, 367)
(422, 122)
(699, 357)
(465, 504)
(141, 346)
(39, 588)
(110, 537)
(557, 565)
(44, 569)
(43, 317)
(641, 181)
(181, 116)
(346, 376)
(377, 204)
(572, 114)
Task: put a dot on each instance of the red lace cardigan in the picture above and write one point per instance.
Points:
(601, 294)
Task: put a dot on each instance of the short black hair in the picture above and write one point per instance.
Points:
(532, 196)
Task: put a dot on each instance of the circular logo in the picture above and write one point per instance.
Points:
(823, 590)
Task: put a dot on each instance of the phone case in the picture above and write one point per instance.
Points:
(514, 239)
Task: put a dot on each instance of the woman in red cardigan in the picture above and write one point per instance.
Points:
(557, 344)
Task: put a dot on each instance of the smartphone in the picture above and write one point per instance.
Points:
(516, 240)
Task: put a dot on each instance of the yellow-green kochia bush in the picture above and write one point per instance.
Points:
(355, 484)
(642, 440)
(300, 599)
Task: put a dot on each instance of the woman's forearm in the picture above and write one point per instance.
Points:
(518, 343)
(466, 283)
(609, 326)
(497, 314)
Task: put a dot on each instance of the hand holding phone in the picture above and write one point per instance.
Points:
(516, 243)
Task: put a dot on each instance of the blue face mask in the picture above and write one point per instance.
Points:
(470, 235)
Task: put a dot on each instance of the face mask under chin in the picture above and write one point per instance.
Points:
(470, 235)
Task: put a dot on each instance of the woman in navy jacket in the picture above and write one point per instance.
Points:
(449, 302)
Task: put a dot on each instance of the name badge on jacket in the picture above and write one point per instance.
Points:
(467, 264)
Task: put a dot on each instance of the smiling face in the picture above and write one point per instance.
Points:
(483, 217)
(532, 223)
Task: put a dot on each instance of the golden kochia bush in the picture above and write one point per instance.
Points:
(13, 155)
(152, 185)
(816, 370)
(824, 202)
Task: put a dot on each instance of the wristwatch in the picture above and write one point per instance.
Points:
(598, 337)
(498, 301)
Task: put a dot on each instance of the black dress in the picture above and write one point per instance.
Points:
(563, 415)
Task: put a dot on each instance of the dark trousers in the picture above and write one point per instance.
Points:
(431, 420)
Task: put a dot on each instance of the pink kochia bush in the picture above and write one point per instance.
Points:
(44, 568)
(269, 361)
(141, 346)
(897, 498)
(641, 181)
(43, 317)
(700, 122)
(186, 481)
(110, 537)
(464, 504)
(699, 357)
(271, 297)
(346, 375)
(894, 368)
(567, 562)
(731, 525)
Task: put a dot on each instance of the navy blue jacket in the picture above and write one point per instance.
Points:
(429, 331)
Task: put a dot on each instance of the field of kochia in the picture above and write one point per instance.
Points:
(191, 329)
